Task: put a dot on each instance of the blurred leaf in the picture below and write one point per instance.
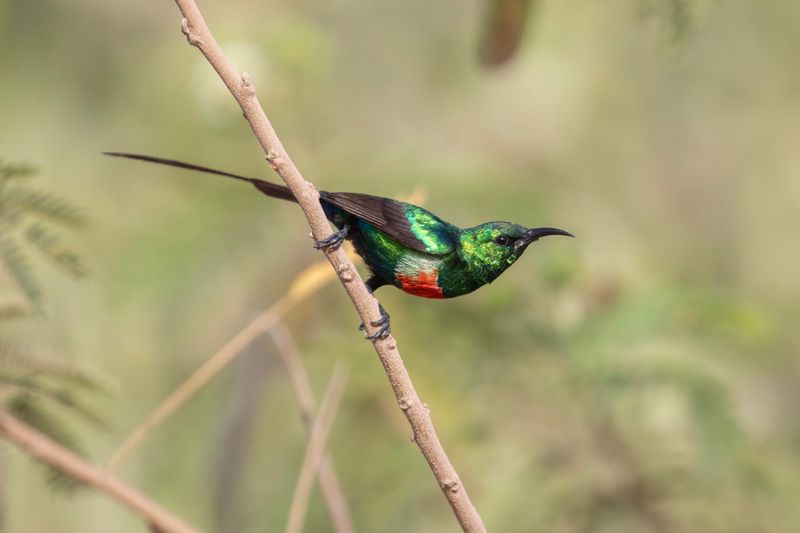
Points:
(41, 390)
(18, 268)
(30, 410)
(45, 205)
(11, 171)
(32, 387)
(49, 245)
(680, 16)
(19, 205)
(16, 359)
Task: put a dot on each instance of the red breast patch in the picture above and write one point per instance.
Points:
(421, 284)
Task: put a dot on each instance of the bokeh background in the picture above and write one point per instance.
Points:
(642, 377)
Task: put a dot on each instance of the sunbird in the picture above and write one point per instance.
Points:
(403, 244)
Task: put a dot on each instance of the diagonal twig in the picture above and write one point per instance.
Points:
(315, 449)
(45, 449)
(197, 380)
(306, 283)
(424, 433)
(304, 397)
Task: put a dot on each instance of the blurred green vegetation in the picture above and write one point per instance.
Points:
(642, 377)
(40, 388)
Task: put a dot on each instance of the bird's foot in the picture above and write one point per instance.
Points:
(384, 325)
(334, 241)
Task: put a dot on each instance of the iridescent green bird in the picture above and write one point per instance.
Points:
(405, 245)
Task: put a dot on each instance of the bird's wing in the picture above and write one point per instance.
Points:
(408, 224)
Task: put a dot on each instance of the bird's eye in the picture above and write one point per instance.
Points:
(502, 240)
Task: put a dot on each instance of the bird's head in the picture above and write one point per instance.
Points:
(490, 248)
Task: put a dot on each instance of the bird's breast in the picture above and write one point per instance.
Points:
(423, 283)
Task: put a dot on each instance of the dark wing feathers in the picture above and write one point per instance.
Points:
(364, 206)
(387, 215)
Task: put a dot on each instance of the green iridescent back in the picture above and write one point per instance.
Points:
(438, 236)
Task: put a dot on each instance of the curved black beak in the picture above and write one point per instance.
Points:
(534, 234)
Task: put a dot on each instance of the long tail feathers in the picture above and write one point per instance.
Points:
(270, 189)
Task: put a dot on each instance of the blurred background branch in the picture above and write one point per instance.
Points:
(304, 398)
(307, 283)
(44, 449)
(315, 449)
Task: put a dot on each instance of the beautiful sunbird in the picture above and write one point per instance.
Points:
(403, 244)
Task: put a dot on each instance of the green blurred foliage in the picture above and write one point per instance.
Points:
(641, 377)
(40, 389)
(26, 217)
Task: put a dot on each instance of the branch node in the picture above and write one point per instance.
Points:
(273, 159)
(405, 403)
(191, 36)
(451, 485)
(248, 89)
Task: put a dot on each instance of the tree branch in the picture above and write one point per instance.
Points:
(240, 86)
(43, 448)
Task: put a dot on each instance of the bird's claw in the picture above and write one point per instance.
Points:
(384, 325)
(334, 241)
(383, 332)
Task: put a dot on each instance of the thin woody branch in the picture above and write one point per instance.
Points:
(197, 380)
(315, 450)
(304, 398)
(240, 86)
(45, 449)
(310, 280)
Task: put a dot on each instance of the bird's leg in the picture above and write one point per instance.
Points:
(384, 324)
(334, 241)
